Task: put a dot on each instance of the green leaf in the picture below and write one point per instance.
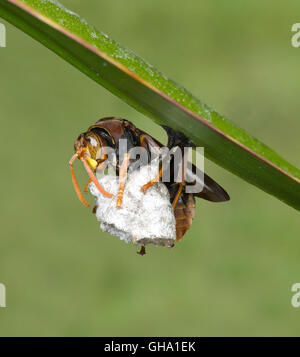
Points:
(152, 93)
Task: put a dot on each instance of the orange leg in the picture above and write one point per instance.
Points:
(174, 203)
(86, 187)
(75, 183)
(93, 178)
(100, 168)
(122, 179)
(152, 182)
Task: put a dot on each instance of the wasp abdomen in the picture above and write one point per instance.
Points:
(184, 213)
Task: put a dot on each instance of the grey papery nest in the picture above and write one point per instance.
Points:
(144, 218)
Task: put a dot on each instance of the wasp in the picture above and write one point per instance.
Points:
(91, 148)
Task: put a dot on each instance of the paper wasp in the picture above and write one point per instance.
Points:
(107, 132)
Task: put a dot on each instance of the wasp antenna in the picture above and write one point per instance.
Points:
(93, 178)
(75, 183)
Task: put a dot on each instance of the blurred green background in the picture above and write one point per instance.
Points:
(232, 273)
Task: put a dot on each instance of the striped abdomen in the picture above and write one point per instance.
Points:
(184, 213)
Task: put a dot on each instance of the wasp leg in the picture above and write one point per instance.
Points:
(152, 182)
(85, 190)
(176, 198)
(150, 144)
(93, 178)
(75, 183)
(164, 166)
(122, 179)
(99, 169)
(142, 250)
(182, 183)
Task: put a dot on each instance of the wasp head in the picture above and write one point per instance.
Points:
(80, 144)
(90, 145)
(88, 149)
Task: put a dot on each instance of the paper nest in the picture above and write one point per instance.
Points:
(144, 218)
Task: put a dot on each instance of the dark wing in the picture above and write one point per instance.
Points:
(211, 190)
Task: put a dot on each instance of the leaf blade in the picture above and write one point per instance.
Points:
(149, 91)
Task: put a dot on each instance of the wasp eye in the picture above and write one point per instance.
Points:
(93, 142)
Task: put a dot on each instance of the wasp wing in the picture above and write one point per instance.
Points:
(211, 190)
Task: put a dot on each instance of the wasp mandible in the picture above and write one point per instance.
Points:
(90, 148)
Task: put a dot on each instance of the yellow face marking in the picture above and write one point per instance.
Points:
(92, 163)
